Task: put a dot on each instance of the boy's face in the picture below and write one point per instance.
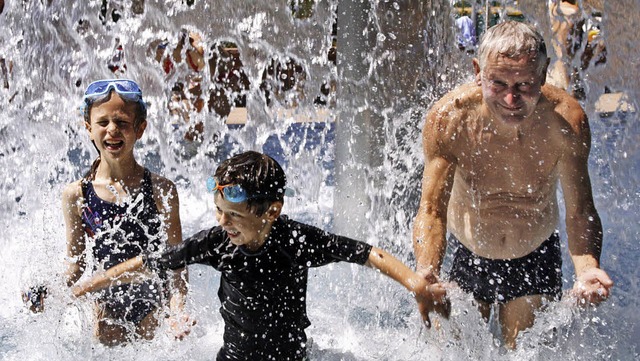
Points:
(243, 227)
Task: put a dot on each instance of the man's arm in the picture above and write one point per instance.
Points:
(584, 229)
(430, 225)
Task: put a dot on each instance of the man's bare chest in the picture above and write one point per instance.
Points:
(515, 166)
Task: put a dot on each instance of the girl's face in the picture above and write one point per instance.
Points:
(112, 127)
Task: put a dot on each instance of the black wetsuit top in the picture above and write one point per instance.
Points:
(263, 293)
(120, 232)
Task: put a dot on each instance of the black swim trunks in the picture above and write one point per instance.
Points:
(502, 280)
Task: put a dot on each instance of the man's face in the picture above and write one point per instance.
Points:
(511, 88)
(243, 227)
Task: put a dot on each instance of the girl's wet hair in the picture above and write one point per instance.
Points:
(512, 39)
(260, 175)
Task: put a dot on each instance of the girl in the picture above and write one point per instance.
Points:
(121, 209)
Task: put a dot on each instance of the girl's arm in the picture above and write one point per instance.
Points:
(429, 296)
(71, 210)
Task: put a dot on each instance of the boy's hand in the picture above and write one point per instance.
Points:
(180, 325)
(432, 297)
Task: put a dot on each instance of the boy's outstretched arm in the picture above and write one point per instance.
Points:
(132, 268)
(429, 296)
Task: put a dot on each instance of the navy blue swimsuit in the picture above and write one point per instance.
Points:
(120, 232)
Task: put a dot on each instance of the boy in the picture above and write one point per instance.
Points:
(264, 258)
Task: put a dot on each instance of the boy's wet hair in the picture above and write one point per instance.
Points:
(512, 39)
(260, 175)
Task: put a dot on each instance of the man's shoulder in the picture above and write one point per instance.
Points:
(568, 110)
(463, 97)
(562, 102)
(454, 108)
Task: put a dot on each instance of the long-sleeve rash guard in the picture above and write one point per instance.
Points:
(263, 293)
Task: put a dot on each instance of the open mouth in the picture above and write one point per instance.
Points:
(113, 145)
(233, 234)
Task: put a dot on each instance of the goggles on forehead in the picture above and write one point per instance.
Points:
(233, 193)
(126, 88)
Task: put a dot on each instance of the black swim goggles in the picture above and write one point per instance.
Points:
(233, 193)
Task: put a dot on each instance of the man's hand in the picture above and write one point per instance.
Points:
(432, 297)
(592, 286)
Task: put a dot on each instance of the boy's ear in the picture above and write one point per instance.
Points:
(274, 211)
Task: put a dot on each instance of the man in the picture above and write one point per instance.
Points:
(495, 150)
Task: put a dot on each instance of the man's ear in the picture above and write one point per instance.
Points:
(274, 211)
(544, 71)
(476, 69)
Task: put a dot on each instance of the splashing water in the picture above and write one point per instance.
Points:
(397, 58)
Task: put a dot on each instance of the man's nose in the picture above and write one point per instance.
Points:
(512, 96)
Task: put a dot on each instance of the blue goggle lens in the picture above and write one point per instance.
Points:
(233, 193)
(100, 87)
(129, 89)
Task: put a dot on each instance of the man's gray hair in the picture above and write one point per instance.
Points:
(512, 39)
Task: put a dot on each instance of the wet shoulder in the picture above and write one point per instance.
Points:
(455, 106)
(72, 196)
(160, 183)
(164, 192)
(450, 119)
(566, 111)
(72, 192)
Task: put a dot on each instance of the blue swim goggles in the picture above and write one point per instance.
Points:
(128, 90)
(233, 193)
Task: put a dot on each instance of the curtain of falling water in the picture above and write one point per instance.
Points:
(52, 50)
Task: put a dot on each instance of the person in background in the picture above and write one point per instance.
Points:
(466, 33)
